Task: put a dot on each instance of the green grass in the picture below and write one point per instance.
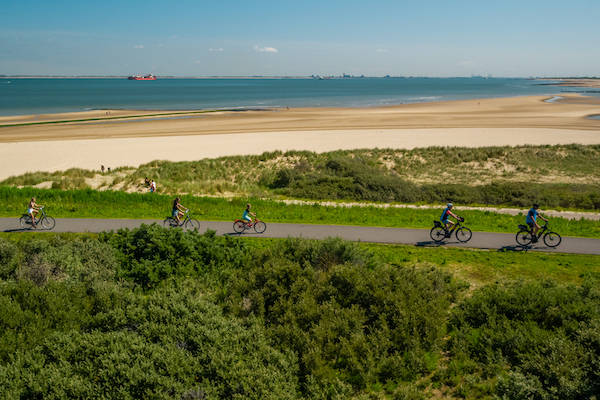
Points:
(113, 204)
(482, 267)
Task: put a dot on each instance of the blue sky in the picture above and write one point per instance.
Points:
(426, 38)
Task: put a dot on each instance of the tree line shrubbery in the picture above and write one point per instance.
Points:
(155, 313)
(354, 178)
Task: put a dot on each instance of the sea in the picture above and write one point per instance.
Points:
(22, 96)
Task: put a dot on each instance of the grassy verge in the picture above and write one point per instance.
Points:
(109, 204)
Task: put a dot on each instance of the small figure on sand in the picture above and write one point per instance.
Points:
(152, 186)
(108, 169)
(102, 168)
(146, 182)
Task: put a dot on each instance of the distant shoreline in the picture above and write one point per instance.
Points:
(563, 81)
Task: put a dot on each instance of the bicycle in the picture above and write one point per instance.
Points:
(240, 225)
(439, 232)
(45, 220)
(525, 236)
(187, 222)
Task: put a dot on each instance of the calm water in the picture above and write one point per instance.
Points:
(34, 96)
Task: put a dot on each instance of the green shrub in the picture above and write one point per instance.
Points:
(8, 259)
(151, 254)
(346, 316)
(547, 336)
(125, 345)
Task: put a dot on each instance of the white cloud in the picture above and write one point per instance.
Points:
(266, 49)
(138, 46)
(382, 50)
(217, 50)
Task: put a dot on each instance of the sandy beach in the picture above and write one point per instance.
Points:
(188, 136)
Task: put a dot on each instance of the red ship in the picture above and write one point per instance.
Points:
(148, 77)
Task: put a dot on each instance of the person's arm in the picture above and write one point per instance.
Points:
(542, 217)
(452, 214)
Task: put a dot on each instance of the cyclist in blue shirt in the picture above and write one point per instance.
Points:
(247, 214)
(531, 220)
(447, 213)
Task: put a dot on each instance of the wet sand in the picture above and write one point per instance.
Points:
(134, 141)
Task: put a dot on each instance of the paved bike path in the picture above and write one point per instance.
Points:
(417, 237)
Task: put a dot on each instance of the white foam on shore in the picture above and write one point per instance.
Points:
(553, 99)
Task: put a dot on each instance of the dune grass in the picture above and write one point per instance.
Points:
(115, 204)
(562, 176)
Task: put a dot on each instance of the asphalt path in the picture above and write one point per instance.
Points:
(416, 237)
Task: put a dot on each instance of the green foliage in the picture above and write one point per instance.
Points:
(542, 340)
(354, 178)
(346, 316)
(155, 313)
(8, 259)
(117, 344)
(151, 254)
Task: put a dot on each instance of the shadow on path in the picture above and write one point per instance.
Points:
(429, 243)
(516, 248)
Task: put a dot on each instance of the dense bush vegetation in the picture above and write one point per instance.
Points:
(154, 313)
(347, 317)
(355, 178)
(539, 340)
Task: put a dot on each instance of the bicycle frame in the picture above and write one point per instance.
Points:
(454, 227)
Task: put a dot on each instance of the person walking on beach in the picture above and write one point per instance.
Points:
(102, 168)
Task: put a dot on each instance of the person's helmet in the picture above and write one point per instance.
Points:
(450, 205)
(536, 206)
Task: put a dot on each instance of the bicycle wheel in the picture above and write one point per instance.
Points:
(192, 224)
(552, 239)
(24, 221)
(463, 234)
(437, 234)
(239, 226)
(260, 227)
(48, 222)
(523, 238)
(169, 222)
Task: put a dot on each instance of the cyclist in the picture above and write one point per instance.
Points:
(446, 214)
(531, 220)
(178, 210)
(33, 209)
(247, 213)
